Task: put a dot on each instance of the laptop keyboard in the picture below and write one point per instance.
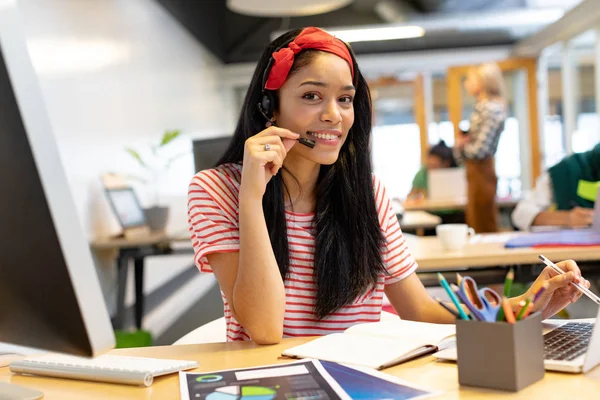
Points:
(568, 341)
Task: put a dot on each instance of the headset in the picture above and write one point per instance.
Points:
(266, 107)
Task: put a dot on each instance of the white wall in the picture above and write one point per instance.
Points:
(117, 73)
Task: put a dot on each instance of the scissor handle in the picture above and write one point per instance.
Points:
(491, 297)
(483, 303)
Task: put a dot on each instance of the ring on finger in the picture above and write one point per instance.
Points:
(267, 147)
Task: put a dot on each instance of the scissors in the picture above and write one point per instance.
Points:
(484, 303)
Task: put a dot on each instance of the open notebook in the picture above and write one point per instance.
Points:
(378, 344)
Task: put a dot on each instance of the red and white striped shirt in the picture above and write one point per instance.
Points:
(213, 219)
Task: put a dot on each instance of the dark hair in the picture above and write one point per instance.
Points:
(348, 241)
(444, 152)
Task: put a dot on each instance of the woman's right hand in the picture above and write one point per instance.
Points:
(261, 165)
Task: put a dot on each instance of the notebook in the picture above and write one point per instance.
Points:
(378, 345)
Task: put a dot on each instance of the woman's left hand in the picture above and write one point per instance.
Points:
(560, 292)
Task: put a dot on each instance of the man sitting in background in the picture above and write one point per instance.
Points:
(556, 199)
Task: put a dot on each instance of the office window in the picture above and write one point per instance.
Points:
(508, 161)
(396, 152)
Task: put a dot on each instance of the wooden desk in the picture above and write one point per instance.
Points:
(450, 204)
(137, 249)
(488, 250)
(418, 221)
(424, 372)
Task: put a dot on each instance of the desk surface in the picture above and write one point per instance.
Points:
(155, 238)
(424, 372)
(488, 251)
(459, 203)
(419, 219)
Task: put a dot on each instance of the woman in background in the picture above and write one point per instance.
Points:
(439, 156)
(477, 148)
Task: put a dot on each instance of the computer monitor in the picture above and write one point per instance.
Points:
(50, 297)
(207, 152)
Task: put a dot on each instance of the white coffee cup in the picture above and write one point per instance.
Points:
(453, 237)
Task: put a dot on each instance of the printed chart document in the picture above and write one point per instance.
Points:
(378, 345)
(302, 380)
(366, 383)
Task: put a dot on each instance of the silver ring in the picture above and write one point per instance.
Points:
(267, 147)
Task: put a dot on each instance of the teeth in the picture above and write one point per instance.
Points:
(323, 135)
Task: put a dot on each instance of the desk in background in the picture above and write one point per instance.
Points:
(418, 221)
(451, 204)
(487, 258)
(216, 356)
(487, 250)
(138, 249)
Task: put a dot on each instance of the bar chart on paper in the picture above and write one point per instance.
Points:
(243, 393)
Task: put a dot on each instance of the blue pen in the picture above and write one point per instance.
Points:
(445, 285)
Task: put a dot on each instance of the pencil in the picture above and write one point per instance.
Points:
(508, 312)
(523, 310)
(540, 291)
(451, 311)
(452, 296)
(458, 278)
(510, 276)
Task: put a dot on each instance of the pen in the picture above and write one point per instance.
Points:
(457, 315)
(583, 290)
(446, 287)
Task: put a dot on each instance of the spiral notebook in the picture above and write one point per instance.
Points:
(378, 345)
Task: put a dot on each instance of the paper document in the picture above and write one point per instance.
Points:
(302, 380)
(306, 379)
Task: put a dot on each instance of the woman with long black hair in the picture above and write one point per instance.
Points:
(298, 232)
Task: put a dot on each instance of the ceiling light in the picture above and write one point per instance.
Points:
(286, 8)
(371, 34)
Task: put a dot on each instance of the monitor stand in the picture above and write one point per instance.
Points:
(8, 391)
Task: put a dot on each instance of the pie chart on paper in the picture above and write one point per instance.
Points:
(242, 393)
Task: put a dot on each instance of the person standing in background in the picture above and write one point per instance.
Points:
(477, 147)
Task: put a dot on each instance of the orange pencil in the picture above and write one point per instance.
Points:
(508, 312)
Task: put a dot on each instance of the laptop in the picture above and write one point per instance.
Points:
(569, 346)
(447, 183)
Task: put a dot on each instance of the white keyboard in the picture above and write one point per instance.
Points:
(107, 368)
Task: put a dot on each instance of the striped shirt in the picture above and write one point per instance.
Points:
(486, 125)
(213, 223)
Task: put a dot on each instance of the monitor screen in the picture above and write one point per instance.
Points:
(208, 152)
(50, 296)
(127, 207)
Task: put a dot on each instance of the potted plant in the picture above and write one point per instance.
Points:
(155, 163)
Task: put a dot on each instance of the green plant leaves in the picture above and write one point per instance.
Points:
(136, 155)
(169, 136)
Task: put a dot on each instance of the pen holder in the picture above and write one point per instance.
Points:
(499, 355)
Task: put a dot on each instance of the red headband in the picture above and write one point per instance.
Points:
(309, 38)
